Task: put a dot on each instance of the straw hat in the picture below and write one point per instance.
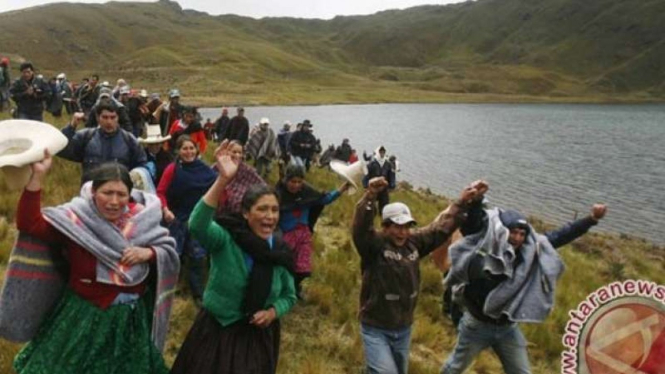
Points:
(352, 173)
(22, 142)
(153, 135)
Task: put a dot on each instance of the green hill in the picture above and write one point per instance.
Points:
(487, 50)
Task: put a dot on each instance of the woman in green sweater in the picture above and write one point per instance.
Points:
(250, 285)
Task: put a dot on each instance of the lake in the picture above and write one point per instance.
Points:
(546, 160)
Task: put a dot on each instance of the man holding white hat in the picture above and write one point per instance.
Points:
(390, 271)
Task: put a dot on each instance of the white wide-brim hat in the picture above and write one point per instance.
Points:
(153, 135)
(22, 142)
(352, 173)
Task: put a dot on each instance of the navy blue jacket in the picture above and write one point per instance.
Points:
(302, 144)
(93, 147)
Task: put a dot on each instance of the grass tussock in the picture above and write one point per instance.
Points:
(321, 334)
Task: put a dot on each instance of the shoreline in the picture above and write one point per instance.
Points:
(217, 103)
(608, 103)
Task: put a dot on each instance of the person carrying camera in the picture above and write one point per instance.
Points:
(29, 94)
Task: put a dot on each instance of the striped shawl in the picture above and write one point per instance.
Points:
(36, 273)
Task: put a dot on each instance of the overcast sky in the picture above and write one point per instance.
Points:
(268, 8)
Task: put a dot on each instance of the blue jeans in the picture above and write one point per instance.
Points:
(474, 336)
(386, 351)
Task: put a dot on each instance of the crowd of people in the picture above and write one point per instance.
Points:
(247, 246)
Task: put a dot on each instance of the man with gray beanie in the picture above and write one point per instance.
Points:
(389, 262)
(504, 272)
(106, 97)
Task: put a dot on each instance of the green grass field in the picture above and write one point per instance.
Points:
(321, 334)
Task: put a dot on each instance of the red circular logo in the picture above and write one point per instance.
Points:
(624, 336)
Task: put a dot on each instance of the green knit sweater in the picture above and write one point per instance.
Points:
(229, 274)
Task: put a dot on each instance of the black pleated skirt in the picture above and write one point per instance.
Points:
(239, 348)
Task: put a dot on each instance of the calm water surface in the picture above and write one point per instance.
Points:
(546, 160)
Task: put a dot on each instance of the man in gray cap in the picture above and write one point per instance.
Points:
(389, 261)
(169, 112)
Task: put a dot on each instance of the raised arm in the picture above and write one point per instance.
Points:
(29, 218)
(363, 231)
(74, 149)
(226, 169)
(573, 230)
(436, 233)
(201, 223)
(335, 194)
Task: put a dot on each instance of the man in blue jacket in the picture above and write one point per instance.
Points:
(105, 143)
(502, 273)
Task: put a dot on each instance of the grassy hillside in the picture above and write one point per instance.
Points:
(487, 50)
(321, 335)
